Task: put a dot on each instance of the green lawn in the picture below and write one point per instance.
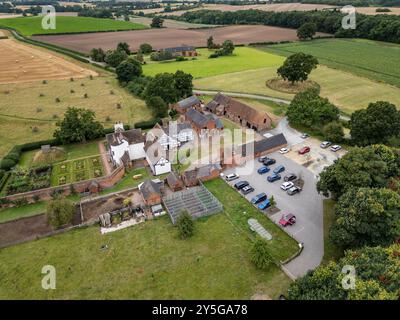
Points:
(244, 58)
(375, 60)
(23, 211)
(347, 91)
(238, 210)
(147, 261)
(128, 182)
(331, 252)
(29, 26)
(72, 151)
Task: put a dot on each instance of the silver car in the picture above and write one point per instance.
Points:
(336, 148)
(231, 177)
(325, 144)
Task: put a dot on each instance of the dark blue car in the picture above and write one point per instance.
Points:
(258, 198)
(279, 169)
(263, 170)
(274, 177)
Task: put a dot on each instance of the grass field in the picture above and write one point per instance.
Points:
(147, 261)
(347, 91)
(29, 105)
(375, 60)
(29, 26)
(21, 212)
(244, 58)
(239, 210)
(331, 252)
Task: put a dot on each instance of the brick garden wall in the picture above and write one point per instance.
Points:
(79, 187)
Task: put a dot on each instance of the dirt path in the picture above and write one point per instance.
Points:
(104, 158)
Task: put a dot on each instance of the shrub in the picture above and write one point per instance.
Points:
(7, 164)
(333, 131)
(146, 124)
(260, 255)
(145, 48)
(59, 212)
(185, 225)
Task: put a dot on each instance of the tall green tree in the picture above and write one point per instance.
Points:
(333, 131)
(145, 48)
(128, 69)
(297, 67)
(377, 123)
(307, 31)
(78, 125)
(366, 217)
(124, 47)
(157, 22)
(59, 212)
(162, 85)
(97, 54)
(377, 277)
(310, 110)
(158, 106)
(114, 58)
(227, 48)
(183, 84)
(360, 167)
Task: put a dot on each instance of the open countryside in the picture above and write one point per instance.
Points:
(375, 60)
(33, 25)
(168, 37)
(118, 167)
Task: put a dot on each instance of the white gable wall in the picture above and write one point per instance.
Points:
(118, 151)
(136, 151)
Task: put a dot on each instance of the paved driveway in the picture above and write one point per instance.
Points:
(307, 206)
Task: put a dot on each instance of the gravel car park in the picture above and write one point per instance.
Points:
(305, 205)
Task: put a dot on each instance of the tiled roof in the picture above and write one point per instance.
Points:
(181, 48)
(148, 188)
(266, 144)
(238, 108)
(198, 118)
(132, 136)
(189, 102)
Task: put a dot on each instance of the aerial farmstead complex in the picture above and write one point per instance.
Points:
(200, 151)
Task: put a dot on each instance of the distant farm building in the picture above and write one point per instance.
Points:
(182, 51)
(186, 104)
(239, 112)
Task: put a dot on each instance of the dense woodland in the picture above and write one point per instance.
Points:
(356, 3)
(379, 27)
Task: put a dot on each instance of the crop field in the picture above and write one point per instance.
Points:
(29, 111)
(24, 63)
(29, 26)
(276, 7)
(243, 58)
(169, 37)
(347, 91)
(375, 60)
(169, 23)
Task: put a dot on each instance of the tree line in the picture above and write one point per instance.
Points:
(374, 27)
(355, 3)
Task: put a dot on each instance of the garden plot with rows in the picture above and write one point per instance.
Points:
(77, 170)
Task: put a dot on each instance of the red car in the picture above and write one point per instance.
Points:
(304, 150)
(287, 220)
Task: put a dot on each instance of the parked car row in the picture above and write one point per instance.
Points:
(326, 144)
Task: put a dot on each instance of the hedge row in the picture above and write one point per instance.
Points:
(147, 124)
(4, 179)
(14, 155)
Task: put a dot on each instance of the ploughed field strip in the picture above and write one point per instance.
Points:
(169, 37)
(197, 201)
